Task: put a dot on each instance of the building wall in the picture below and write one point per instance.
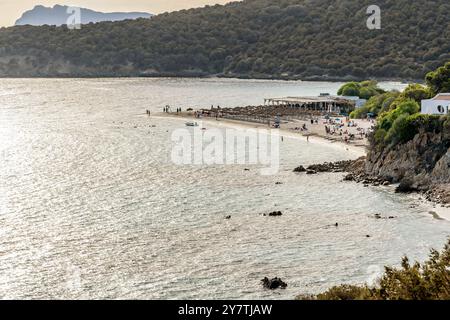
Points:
(432, 106)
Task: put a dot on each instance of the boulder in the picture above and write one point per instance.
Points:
(405, 186)
(273, 284)
(349, 177)
(274, 214)
(300, 169)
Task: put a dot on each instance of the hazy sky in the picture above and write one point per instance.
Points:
(11, 10)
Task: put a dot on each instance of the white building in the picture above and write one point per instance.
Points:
(438, 105)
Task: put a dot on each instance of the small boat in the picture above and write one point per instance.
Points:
(191, 124)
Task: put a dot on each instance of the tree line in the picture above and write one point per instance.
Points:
(291, 39)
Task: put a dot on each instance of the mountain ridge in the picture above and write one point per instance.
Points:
(58, 15)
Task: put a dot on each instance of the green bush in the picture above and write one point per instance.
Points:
(364, 90)
(376, 105)
(439, 80)
(349, 89)
(402, 130)
(387, 119)
(428, 281)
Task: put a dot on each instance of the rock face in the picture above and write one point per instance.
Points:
(59, 15)
(417, 164)
(420, 165)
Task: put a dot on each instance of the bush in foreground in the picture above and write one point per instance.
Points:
(428, 281)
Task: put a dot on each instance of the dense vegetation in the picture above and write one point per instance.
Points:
(387, 101)
(306, 39)
(364, 89)
(439, 80)
(430, 281)
(398, 114)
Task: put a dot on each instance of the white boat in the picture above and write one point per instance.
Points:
(191, 124)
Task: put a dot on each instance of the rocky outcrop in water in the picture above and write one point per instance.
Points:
(273, 214)
(274, 283)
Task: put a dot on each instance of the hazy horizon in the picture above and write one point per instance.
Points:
(11, 10)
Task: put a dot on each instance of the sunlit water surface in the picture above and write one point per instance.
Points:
(92, 207)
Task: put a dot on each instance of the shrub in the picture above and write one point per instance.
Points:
(363, 90)
(376, 104)
(439, 80)
(428, 281)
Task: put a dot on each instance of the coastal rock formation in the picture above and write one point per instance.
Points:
(420, 165)
(354, 166)
(416, 165)
(273, 284)
(300, 169)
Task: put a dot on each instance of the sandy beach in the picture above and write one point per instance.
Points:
(316, 134)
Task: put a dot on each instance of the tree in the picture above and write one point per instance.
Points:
(439, 80)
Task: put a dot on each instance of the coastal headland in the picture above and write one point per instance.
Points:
(347, 134)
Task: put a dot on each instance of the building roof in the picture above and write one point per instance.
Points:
(325, 99)
(442, 96)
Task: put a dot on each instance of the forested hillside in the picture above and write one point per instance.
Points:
(307, 39)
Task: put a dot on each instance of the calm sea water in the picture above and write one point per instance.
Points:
(92, 207)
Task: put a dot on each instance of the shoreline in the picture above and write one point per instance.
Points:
(360, 149)
(417, 200)
(209, 76)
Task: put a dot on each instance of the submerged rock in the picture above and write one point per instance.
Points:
(300, 169)
(273, 284)
(406, 186)
(274, 214)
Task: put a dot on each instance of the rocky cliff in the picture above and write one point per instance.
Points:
(419, 163)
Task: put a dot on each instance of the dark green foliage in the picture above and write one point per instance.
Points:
(428, 281)
(439, 80)
(398, 115)
(363, 90)
(255, 38)
(349, 89)
(376, 105)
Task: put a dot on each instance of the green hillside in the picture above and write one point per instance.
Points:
(308, 39)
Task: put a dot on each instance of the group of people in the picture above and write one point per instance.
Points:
(168, 109)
